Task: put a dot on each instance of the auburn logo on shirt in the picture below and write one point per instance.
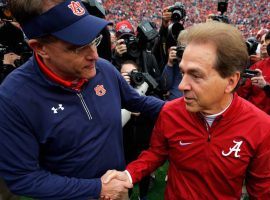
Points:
(76, 8)
(100, 90)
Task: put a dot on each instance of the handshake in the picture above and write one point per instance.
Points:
(115, 185)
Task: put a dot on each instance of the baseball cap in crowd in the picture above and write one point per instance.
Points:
(68, 21)
(123, 28)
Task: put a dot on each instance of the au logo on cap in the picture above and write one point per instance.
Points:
(76, 8)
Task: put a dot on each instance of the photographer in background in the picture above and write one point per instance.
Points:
(171, 75)
(137, 47)
(13, 49)
(255, 47)
(137, 131)
(256, 87)
(125, 35)
(173, 18)
(8, 64)
(133, 57)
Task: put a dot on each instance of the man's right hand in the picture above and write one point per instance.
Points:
(120, 47)
(9, 58)
(172, 56)
(115, 185)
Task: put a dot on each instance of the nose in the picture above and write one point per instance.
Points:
(184, 84)
(91, 53)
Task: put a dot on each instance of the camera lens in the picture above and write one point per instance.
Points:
(176, 16)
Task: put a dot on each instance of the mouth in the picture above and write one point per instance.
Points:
(91, 65)
(188, 100)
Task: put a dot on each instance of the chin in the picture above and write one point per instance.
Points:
(192, 108)
(90, 74)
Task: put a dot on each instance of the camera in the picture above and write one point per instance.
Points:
(178, 15)
(132, 45)
(222, 8)
(94, 8)
(178, 12)
(179, 51)
(249, 73)
(138, 78)
(220, 18)
(146, 34)
(147, 31)
(252, 45)
(12, 40)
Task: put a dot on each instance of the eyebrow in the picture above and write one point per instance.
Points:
(192, 70)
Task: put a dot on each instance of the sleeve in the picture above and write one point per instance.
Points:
(20, 163)
(258, 175)
(134, 102)
(166, 78)
(152, 158)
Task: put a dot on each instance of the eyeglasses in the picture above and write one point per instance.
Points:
(78, 50)
(94, 43)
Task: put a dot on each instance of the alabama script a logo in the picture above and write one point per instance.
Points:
(76, 8)
(236, 149)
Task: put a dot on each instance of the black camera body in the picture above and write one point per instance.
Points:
(222, 8)
(178, 12)
(179, 51)
(221, 18)
(132, 43)
(252, 45)
(178, 17)
(147, 31)
(138, 78)
(249, 73)
(146, 34)
(12, 40)
(94, 8)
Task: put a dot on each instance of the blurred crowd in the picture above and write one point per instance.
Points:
(248, 15)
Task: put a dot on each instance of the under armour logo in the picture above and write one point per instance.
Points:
(235, 149)
(76, 8)
(55, 110)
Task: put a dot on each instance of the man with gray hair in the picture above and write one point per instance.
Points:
(213, 139)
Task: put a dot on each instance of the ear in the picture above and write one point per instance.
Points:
(232, 82)
(38, 48)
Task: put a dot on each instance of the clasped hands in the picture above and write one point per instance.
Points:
(115, 185)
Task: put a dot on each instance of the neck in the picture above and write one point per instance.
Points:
(57, 72)
(222, 107)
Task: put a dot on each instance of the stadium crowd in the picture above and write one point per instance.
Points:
(248, 15)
